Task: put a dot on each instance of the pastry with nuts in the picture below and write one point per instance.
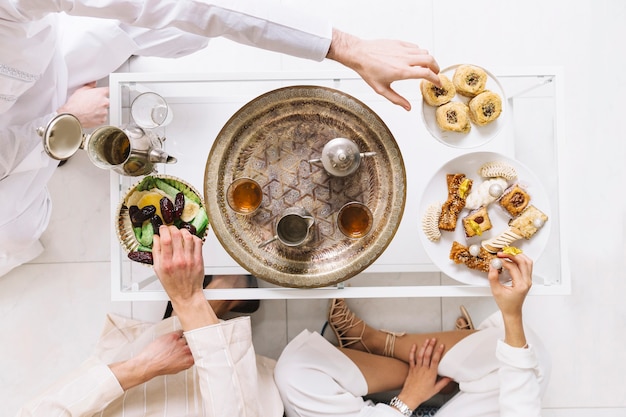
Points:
(514, 200)
(469, 80)
(529, 221)
(459, 187)
(477, 222)
(453, 117)
(485, 108)
(436, 96)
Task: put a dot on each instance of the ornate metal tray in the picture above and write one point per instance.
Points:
(271, 139)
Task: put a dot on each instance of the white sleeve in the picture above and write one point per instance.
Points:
(226, 364)
(519, 377)
(265, 24)
(82, 393)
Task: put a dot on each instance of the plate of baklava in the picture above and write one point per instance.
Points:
(468, 109)
(479, 204)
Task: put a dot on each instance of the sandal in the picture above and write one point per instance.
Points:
(464, 322)
(341, 319)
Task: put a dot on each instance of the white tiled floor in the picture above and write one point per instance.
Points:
(52, 309)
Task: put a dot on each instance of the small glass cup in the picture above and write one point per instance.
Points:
(149, 110)
(244, 195)
(355, 220)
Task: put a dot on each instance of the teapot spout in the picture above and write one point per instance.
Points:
(161, 157)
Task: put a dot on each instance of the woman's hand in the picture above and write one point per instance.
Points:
(422, 381)
(89, 104)
(381, 62)
(510, 298)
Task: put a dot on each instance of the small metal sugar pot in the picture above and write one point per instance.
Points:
(130, 151)
(341, 157)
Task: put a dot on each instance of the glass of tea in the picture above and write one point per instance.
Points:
(355, 220)
(244, 195)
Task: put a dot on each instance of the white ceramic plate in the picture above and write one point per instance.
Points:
(478, 135)
(436, 192)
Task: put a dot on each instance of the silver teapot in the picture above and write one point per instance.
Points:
(130, 151)
(341, 157)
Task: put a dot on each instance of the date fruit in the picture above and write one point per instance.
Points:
(156, 223)
(179, 205)
(139, 256)
(190, 227)
(167, 210)
(138, 216)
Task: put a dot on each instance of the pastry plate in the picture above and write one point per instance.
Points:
(273, 139)
(478, 135)
(436, 192)
(124, 227)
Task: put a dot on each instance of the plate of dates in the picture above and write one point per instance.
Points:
(152, 202)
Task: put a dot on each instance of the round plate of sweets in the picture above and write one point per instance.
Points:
(477, 204)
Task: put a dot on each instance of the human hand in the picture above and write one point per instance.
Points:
(166, 355)
(178, 262)
(381, 62)
(510, 298)
(421, 382)
(89, 104)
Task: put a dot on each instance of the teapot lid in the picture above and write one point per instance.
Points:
(62, 137)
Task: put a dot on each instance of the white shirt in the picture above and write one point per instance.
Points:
(36, 72)
(227, 378)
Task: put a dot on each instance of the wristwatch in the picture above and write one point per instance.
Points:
(398, 404)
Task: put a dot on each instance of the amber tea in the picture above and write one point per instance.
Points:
(355, 220)
(244, 196)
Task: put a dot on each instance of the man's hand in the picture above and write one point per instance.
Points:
(421, 383)
(166, 355)
(383, 61)
(179, 265)
(89, 104)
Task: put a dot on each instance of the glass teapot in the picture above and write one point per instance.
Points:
(130, 151)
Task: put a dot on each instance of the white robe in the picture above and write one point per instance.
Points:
(316, 379)
(227, 378)
(38, 68)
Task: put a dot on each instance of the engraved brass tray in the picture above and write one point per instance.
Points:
(271, 139)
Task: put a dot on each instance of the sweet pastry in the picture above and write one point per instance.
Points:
(453, 117)
(460, 254)
(529, 221)
(503, 240)
(486, 193)
(469, 80)
(497, 169)
(430, 222)
(436, 96)
(485, 108)
(459, 187)
(476, 222)
(514, 200)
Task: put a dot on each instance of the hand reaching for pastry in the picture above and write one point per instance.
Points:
(381, 62)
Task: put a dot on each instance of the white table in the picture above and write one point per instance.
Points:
(203, 103)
